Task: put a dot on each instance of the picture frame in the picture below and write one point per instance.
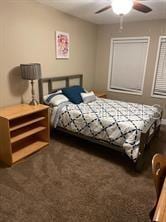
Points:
(62, 45)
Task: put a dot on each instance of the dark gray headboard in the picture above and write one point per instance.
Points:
(49, 82)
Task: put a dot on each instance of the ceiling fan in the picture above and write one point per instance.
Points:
(123, 7)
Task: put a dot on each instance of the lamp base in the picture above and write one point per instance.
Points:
(34, 102)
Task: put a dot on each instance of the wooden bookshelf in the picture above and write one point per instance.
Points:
(21, 134)
(24, 129)
(28, 149)
(28, 122)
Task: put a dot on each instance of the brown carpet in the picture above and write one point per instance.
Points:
(76, 181)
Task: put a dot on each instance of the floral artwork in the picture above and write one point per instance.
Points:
(62, 45)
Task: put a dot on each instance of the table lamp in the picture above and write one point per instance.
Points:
(31, 72)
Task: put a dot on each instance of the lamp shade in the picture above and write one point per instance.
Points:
(30, 71)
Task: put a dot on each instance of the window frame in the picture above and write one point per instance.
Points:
(155, 70)
(133, 92)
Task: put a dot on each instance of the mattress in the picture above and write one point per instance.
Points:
(115, 122)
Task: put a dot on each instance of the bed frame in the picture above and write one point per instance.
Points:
(145, 135)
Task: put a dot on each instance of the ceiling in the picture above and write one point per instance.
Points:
(85, 9)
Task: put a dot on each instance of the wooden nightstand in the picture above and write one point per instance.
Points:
(100, 94)
(24, 129)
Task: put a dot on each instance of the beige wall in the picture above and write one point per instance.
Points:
(27, 34)
(105, 32)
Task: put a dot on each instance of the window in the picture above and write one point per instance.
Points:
(159, 82)
(128, 64)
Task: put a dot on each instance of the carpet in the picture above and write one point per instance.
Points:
(76, 181)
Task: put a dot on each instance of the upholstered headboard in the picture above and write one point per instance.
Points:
(49, 82)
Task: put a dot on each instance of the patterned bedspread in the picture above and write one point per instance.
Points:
(112, 121)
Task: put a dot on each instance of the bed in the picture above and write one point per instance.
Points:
(122, 126)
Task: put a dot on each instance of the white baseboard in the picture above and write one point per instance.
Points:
(163, 121)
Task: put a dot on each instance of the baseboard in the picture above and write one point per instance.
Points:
(163, 121)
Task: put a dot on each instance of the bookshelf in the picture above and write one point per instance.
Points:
(24, 129)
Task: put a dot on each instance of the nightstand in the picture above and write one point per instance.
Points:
(100, 94)
(24, 129)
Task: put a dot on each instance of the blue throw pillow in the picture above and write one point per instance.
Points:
(73, 93)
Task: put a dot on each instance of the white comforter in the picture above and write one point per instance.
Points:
(114, 122)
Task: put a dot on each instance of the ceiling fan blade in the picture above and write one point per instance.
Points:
(140, 7)
(103, 9)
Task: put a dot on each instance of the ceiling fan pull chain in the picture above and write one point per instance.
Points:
(121, 22)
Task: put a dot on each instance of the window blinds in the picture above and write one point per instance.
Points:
(160, 75)
(128, 64)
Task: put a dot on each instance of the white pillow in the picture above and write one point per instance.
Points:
(88, 97)
(55, 99)
(58, 99)
(48, 95)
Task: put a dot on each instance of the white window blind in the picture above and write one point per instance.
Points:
(128, 64)
(159, 86)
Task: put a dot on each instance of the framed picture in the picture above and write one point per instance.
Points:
(62, 45)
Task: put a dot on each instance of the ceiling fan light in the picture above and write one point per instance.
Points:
(122, 7)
